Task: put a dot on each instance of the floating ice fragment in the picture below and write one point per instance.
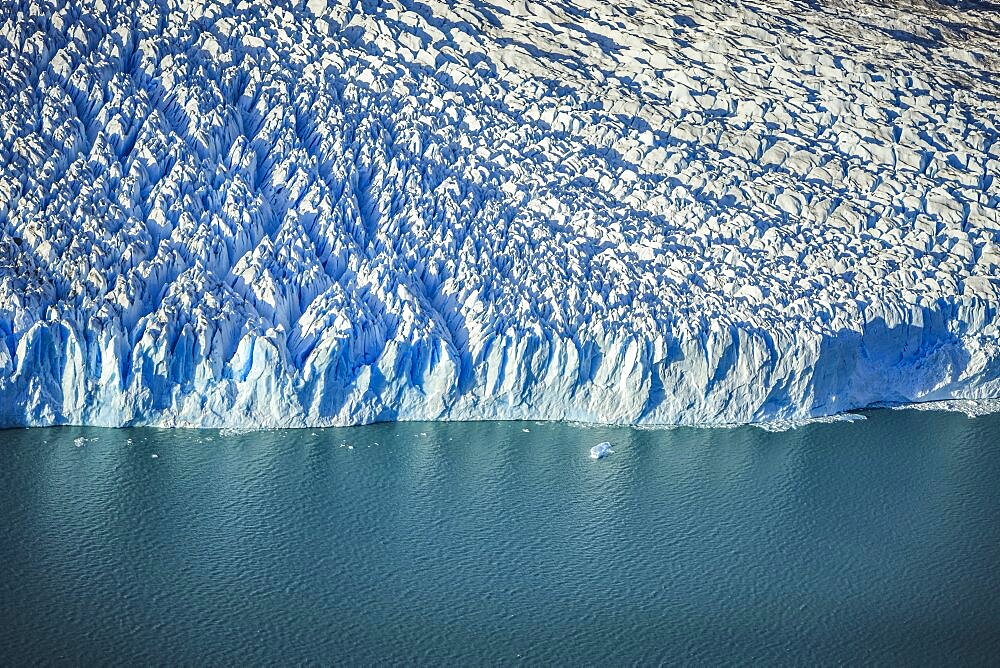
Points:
(601, 450)
(785, 425)
(526, 431)
(971, 407)
(156, 456)
(229, 432)
(79, 442)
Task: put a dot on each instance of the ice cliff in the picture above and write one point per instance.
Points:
(342, 211)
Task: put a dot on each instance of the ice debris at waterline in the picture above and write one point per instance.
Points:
(331, 212)
(601, 450)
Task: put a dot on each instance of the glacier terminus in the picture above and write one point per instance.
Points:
(333, 212)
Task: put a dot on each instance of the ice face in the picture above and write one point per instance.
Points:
(331, 212)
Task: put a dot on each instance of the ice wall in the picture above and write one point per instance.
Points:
(219, 214)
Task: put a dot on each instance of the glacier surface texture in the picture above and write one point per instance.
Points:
(648, 211)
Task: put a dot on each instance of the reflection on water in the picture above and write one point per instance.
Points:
(491, 541)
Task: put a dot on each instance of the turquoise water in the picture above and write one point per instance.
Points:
(876, 541)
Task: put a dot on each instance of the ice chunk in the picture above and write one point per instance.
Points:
(601, 450)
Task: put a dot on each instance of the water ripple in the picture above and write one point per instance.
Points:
(874, 541)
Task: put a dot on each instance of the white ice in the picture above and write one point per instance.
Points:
(268, 214)
(601, 450)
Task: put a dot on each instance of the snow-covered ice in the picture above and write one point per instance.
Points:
(601, 450)
(253, 214)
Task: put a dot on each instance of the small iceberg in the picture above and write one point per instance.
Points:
(601, 450)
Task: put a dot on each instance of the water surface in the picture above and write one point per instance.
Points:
(876, 541)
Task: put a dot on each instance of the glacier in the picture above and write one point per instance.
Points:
(333, 212)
